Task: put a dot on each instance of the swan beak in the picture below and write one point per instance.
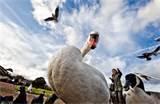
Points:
(93, 40)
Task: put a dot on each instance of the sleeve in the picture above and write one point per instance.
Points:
(111, 79)
(119, 72)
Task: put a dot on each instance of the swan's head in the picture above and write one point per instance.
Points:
(93, 40)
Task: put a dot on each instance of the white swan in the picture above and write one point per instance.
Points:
(75, 81)
(136, 93)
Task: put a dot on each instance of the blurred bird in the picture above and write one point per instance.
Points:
(146, 77)
(9, 69)
(54, 16)
(157, 39)
(148, 55)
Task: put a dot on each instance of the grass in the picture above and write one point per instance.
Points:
(37, 91)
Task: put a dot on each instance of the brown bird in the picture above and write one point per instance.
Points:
(54, 16)
(148, 55)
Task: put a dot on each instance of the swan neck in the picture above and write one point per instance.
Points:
(84, 50)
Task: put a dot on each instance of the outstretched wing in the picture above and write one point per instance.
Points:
(142, 57)
(49, 19)
(157, 49)
(57, 12)
(146, 77)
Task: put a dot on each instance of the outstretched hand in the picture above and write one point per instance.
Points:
(119, 71)
(111, 79)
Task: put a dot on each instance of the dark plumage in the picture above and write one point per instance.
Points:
(6, 99)
(9, 69)
(21, 98)
(38, 100)
(148, 55)
(51, 99)
(53, 17)
(131, 80)
(4, 72)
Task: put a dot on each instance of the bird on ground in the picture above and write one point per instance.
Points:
(54, 17)
(147, 55)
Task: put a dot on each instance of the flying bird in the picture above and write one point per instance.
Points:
(147, 55)
(54, 17)
(146, 77)
(157, 39)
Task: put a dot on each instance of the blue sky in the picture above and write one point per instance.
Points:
(127, 28)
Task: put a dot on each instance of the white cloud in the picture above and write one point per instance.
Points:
(105, 64)
(116, 29)
(112, 25)
(25, 53)
(31, 51)
(147, 14)
(71, 34)
(107, 20)
(149, 68)
(149, 87)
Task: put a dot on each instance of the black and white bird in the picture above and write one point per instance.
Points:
(54, 17)
(147, 55)
(135, 91)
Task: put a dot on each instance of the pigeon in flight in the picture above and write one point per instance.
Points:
(148, 55)
(54, 17)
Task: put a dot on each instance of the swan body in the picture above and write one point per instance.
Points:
(74, 81)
